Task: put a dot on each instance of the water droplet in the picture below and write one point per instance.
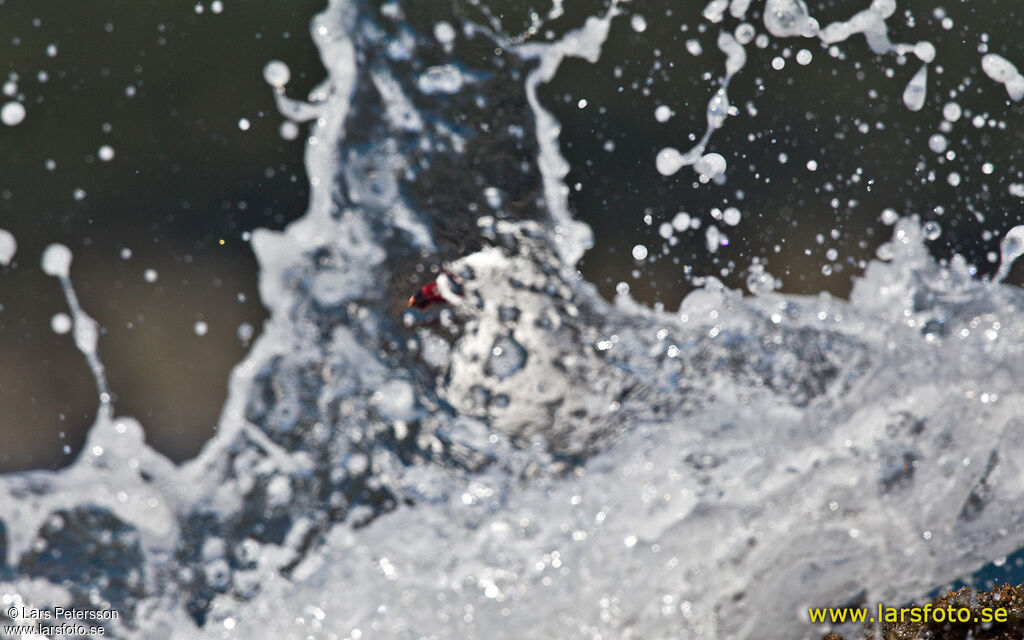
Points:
(917, 89)
(12, 113)
(60, 323)
(277, 74)
(8, 247)
(1011, 248)
(57, 260)
(289, 130)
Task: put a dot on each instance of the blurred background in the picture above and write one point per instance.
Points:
(150, 146)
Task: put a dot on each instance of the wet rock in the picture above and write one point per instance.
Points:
(1009, 597)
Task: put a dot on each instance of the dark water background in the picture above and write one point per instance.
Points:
(185, 177)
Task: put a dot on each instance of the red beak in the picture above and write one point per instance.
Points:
(427, 295)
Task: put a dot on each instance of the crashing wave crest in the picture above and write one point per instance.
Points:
(532, 460)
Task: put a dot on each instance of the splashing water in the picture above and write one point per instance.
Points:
(1011, 248)
(533, 461)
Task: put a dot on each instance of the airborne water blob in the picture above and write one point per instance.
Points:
(1010, 249)
(288, 130)
(12, 113)
(277, 74)
(57, 260)
(710, 167)
(60, 323)
(785, 18)
(914, 94)
(1005, 72)
(8, 247)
